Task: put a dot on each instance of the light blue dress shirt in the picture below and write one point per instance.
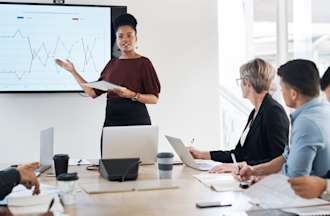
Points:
(309, 150)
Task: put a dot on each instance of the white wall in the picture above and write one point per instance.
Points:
(180, 37)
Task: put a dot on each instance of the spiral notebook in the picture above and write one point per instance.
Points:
(309, 211)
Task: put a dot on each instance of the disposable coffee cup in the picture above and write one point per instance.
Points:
(66, 184)
(165, 164)
(61, 162)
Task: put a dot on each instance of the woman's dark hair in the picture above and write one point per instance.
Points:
(125, 20)
(325, 81)
(302, 75)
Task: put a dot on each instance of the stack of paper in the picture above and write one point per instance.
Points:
(21, 201)
(219, 182)
(309, 211)
(274, 191)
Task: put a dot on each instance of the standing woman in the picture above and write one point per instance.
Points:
(125, 106)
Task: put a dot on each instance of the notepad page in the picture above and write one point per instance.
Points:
(274, 191)
(309, 211)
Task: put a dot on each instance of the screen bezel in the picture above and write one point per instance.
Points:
(119, 10)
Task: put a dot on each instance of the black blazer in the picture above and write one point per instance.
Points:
(266, 139)
(9, 178)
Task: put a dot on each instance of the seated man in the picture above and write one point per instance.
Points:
(311, 187)
(308, 152)
(267, 129)
(325, 83)
(24, 175)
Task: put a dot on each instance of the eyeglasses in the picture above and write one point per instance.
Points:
(238, 81)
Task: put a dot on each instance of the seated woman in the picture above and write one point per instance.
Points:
(266, 132)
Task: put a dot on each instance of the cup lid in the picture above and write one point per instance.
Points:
(165, 155)
(61, 156)
(67, 177)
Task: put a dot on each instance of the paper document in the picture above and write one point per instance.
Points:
(274, 191)
(21, 200)
(308, 211)
(115, 187)
(219, 182)
(103, 85)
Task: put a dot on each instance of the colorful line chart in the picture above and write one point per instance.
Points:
(32, 37)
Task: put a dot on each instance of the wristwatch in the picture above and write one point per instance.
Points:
(136, 97)
(326, 194)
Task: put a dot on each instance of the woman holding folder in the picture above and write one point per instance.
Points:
(125, 106)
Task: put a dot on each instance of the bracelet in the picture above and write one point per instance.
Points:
(136, 97)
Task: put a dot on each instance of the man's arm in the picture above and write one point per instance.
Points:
(9, 178)
(273, 166)
(306, 142)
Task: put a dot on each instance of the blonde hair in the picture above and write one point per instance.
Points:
(260, 74)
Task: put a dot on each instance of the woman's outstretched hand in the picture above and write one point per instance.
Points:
(67, 65)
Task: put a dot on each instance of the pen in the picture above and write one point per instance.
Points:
(51, 204)
(235, 162)
(242, 184)
(192, 141)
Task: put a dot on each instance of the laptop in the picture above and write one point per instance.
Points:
(187, 158)
(131, 142)
(46, 150)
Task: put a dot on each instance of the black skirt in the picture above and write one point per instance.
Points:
(125, 112)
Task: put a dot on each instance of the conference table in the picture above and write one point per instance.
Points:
(179, 201)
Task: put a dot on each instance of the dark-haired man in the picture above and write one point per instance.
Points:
(325, 83)
(308, 152)
(24, 175)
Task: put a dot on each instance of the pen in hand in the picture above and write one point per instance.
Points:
(192, 141)
(235, 163)
(242, 184)
(51, 205)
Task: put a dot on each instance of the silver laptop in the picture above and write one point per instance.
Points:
(130, 142)
(187, 158)
(46, 150)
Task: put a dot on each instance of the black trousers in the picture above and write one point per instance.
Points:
(125, 112)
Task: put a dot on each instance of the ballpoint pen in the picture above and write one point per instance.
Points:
(51, 204)
(192, 141)
(242, 184)
(235, 162)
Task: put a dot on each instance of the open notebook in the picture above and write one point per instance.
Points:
(130, 186)
(274, 191)
(309, 211)
(21, 201)
(219, 182)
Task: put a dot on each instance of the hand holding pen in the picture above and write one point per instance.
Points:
(203, 155)
(239, 171)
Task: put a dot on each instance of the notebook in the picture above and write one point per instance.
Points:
(274, 191)
(21, 200)
(220, 182)
(309, 211)
(115, 187)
